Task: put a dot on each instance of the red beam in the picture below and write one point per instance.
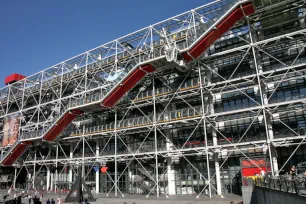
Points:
(127, 84)
(61, 125)
(15, 153)
(221, 28)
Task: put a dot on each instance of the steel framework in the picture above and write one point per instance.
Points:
(203, 102)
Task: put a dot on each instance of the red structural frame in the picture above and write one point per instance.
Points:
(15, 153)
(220, 29)
(13, 78)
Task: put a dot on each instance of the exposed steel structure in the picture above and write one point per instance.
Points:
(169, 109)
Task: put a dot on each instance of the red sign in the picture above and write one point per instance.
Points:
(246, 172)
(254, 166)
(253, 163)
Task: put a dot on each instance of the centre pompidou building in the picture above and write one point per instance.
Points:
(189, 105)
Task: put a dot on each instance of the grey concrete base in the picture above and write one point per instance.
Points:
(247, 192)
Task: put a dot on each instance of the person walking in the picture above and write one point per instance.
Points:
(293, 171)
(52, 201)
(263, 173)
(48, 201)
(59, 201)
(30, 198)
(19, 199)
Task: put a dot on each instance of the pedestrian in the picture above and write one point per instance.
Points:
(19, 200)
(48, 201)
(263, 173)
(30, 199)
(52, 201)
(293, 171)
(59, 201)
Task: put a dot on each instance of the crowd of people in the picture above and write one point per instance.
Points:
(31, 197)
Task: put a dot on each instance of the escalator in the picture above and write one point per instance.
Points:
(210, 30)
(15, 152)
(232, 13)
(147, 181)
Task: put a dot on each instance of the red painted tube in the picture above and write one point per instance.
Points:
(61, 125)
(127, 85)
(15, 153)
(221, 28)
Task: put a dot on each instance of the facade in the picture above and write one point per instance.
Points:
(184, 128)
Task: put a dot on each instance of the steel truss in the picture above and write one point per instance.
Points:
(269, 72)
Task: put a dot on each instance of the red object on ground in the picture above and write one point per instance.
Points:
(127, 84)
(104, 169)
(15, 153)
(13, 78)
(61, 125)
(221, 28)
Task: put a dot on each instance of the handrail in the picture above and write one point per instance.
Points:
(285, 183)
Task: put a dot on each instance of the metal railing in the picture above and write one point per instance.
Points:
(284, 183)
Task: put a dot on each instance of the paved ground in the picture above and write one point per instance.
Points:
(187, 199)
(139, 199)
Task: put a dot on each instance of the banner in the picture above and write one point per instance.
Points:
(254, 166)
(10, 130)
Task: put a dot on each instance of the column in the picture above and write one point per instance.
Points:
(215, 143)
(15, 178)
(170, 168)
(34, 168)
(97, 172)
(116, 170)
(203, 110)
(155, 140)
(272, 147)
(270, 129)
(52, 182)
(70, 168)
(55, 180)
(210, 107)
(48, 179)
(217, 169)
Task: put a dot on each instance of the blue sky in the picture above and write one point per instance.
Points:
(36, 34)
